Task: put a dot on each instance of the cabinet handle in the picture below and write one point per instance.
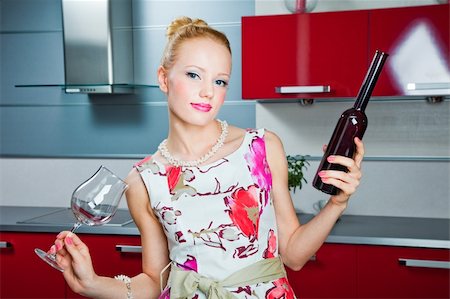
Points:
(424, 263)
(129, 248)
(5, 244)
(302, 89)
(426, 86)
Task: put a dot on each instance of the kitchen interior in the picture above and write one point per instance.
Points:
(393, 241)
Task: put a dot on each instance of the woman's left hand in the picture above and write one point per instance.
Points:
(347, 182)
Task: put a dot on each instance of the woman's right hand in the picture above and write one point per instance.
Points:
(73, 256)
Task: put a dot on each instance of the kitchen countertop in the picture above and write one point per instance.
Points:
(350, 229)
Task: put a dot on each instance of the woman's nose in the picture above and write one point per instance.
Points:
(207, 90)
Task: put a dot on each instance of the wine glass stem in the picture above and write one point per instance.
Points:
(75, 226)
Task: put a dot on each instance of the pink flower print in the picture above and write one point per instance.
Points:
(175, 182)
(173, 176)
(269, 252)
(189, 264)
(259, 168)
(281, 289)
(243, 211)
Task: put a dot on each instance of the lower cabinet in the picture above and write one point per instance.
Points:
(330, 273)
(368, 271)
(336, 270)
(22, 273)
(400, 272)
(112, 255)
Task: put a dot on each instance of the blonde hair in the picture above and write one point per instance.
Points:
(184, 28)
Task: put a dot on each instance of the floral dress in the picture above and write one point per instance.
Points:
(219, 218)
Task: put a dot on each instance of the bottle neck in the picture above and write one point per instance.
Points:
(369, 82)
(366, 89)
(361, 102)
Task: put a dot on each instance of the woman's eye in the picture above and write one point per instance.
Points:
(222, 83)
(192, 75)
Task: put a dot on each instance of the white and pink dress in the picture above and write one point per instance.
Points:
(219, 217)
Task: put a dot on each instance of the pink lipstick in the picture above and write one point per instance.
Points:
(203, 107)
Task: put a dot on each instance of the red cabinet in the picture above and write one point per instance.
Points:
(113, 255)
(330, 274)
(368, 271)
(417, 39)
(337, 271)
(400, 272)
(302, 55)
(22, 273)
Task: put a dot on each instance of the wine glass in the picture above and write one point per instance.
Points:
(93, 203)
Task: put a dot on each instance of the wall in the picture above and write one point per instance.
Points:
(50, 140)
(406, 169)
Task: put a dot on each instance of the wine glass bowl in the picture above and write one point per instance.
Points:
(94, 202)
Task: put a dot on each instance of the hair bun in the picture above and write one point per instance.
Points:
(183, 22)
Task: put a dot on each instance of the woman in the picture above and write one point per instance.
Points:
(212, 203)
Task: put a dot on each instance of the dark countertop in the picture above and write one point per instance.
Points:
(350, 229)
(54, 220)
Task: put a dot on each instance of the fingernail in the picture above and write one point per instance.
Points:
(330, 158)
(52, 249)
(69, 241)
(321, 173)
(58, 246)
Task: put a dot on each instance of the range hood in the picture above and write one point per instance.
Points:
(98, 46)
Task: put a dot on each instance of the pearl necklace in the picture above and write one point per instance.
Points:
(177, 162)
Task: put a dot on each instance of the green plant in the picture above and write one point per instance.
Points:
(296, 165)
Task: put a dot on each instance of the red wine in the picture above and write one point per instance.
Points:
(351, 124)
(89, 216)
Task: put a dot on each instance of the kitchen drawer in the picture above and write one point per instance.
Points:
(400, 272)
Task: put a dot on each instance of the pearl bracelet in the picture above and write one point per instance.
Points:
(127, 282)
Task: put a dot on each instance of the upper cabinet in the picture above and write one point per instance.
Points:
(417, 39)
(304, 55)
(326, 55)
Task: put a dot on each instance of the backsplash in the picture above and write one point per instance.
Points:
(398, 128)
(407, 162)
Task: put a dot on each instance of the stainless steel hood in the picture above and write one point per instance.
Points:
(98, 46)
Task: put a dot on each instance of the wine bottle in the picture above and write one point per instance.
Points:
(351, 124)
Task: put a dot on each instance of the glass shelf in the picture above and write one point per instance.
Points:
(402, 99)
(91, 88)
